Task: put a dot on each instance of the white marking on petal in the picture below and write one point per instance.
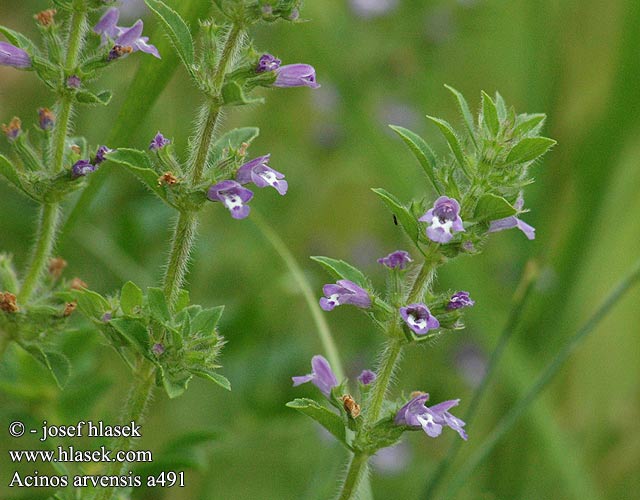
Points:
(436, 222)
(232, 201)
(334, 298)
(269, 177)
(420, 323)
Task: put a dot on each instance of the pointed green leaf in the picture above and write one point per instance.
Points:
(403, 215)
(177, 30)
(130, 298)
(91, 303)
(86, 97)
(57, 364)
(466, 112)
(490, 115)
(421, 151)
(8, 171)
(452, 139)
(234, 140)
(214, 377)
(175, 383)
(158, 304)
(19, 40)
(206, 320)
(138, 163)
(529, 148)
(134, 332)
(528, 123)
(501, 107)
(233, 95)
(492, 207)
(183, 300)
(325, 417)
(341, 270)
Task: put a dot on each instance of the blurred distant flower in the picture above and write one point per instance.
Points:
(393, 459)
(419, 318)
(344, 292)
(102, 150)
(258, 172)
(73, 82)
(366, 377)
(296, 75)
(295, 15)
(46, 118)
(416, 414)
(398, 113)
(322, 376)
(82, 168)
(234, 197)
(471, 362)
(396, 260)
(443, 219)
(158, 142)
(14, 129)
(372, 8)
(124, 37)
(459, 300)
(268, 62)
(513, 221)
(10, 55)
(440, 25)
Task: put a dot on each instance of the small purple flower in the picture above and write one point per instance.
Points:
(443, 219)
(106, 317)
(46, 118)
(158, 350)
(158, 142)
(74, 82)
(296, 75)
(419, 318)
(367, 377)
(372, 8)
(258, 172)
(321, 376)
(344, 292)
(108, 29)
(513, 221)
(102, 150)
(416, 414)
(82, 168)
(10, 55)
(459, 300)
(234, 197)
(268, 62)
(13, 129)
(396, 260)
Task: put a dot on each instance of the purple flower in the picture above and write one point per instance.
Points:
(74, 82)
(158, 349)
(443, 219)
(10, 55)
(513, 221)
(372, 8)
(102, 150)
(268, 62)
(321, 376)
(459, 300)
(258, 172)
(158, 142)
(344, 292)
(367, 377)
(13, 129)
(82, 168)
(396, 260)
(234, 197)
(296, 75)
(46, 118)
(416, 414)
(419, 318)
(106, 317)
(108, 29)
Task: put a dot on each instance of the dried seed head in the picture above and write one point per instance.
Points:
(69, 308)
(243, 149)
(13, 129)
(76, 149)
(56, 266)
(351, 407)
(78, 284)
(415, 394)
(167, 178)
(45, 18)
(8, 302)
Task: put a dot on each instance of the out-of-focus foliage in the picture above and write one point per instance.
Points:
(576, 61)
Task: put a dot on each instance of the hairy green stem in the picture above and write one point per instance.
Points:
(184, 235)
(46, 235)
(552, 368)
(523, 292)
(137, 401)
(328, 344)
(355, 474)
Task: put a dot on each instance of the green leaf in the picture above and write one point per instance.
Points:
(403, 215)
(421, 151)
(501, 107)
(233, 95)
(214, 377)
(325, 417)
(206, 320)
(57, 364)
(490, 115)
(135, 332)
(91, 303)
(466, 112)
(452, 139)
(491, 207)
(158, 304)
(342, 270)
(183, 300)
(177, 30)
(233, 140)
(138, 163)
(529, 148)
(130, 298)
(8, 171)
(175, 383)
(19, 40)
(86, 97)
(528, 123)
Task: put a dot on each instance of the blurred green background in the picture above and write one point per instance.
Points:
(576, 60)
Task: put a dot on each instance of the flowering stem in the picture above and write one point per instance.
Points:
(137, 401)
(357, 469)
(509, 420)
(47, 228)
(181, 244)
